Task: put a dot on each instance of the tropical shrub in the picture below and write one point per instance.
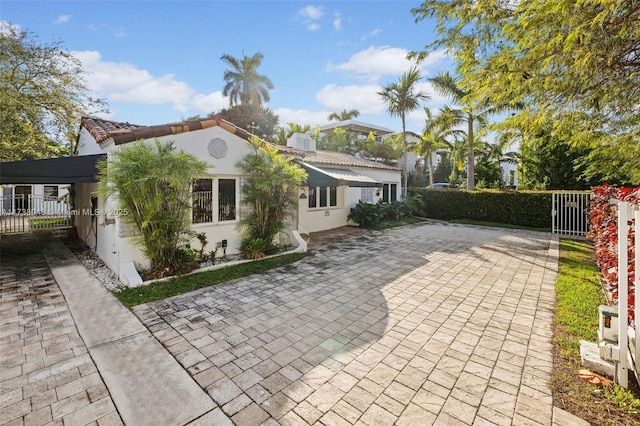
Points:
(522, 208)
(366, 215)
(152, 183)
(395, 210)
(270, 190)
(604, 231)
(253, 248)
(415, 204)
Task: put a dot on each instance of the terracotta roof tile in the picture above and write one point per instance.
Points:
(342, 159)
(101, 129)
(122, 133)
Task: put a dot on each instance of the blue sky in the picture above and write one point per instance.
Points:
(157, 62)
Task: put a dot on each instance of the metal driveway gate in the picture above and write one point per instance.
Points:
(570, 212)
(26, 213)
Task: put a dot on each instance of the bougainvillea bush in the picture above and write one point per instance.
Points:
(604, 231)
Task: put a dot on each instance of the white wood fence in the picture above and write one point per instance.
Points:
(629, 342)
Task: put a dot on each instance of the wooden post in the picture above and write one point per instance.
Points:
(622, 376)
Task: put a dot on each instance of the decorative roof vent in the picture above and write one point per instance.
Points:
(302, 141)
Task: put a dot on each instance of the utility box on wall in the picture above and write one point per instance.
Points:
(608, 333)
(608, 328)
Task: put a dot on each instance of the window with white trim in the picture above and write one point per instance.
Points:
(50, 191)
(214, 195)
(323, 196)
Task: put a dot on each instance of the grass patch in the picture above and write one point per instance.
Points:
(388, 224)
(49, 222)
(497, 225)
(578, 295)
(184, 284)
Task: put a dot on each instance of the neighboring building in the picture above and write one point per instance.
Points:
(336, 183)
(361, 129)
(509, 174)
(34, 199)
(342, 181)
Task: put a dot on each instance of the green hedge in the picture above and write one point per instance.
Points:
(522, 208)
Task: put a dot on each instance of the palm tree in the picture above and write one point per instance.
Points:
(243, 83)
(152, 182)
(470, 113)
(343, 115)
(402, 97)
(297, 128)
(434, 136)
(458, 150)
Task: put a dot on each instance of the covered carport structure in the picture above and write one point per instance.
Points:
(26, 212)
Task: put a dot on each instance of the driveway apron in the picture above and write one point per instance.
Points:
(47, 376)
(425, 324)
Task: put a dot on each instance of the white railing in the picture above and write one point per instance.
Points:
(622, 346)
(25, 213)
(570, 212)
(202, 207)
(629, 342)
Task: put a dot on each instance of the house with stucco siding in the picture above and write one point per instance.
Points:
(335, 184)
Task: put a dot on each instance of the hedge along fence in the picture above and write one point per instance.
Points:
(521, 208)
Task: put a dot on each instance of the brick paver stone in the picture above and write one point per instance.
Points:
(47, 375)
(424, 324)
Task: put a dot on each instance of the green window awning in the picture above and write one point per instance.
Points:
(326, 176)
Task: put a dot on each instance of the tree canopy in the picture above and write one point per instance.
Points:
(243, 83)
(401, 98)
(42, 96)
(575, 65)
(257, 119)
(343, 115)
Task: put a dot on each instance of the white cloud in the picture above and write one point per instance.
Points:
(311, 12)
(337, 22)
(122, 82)
(7, 28)
(371, 34)
(375, 62)
(62, 19)
(301, 116)
(434, 60)
(364, 98)
(310, 16)
(214, 101)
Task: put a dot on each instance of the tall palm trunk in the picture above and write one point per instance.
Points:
(471, 169)
(430, 168)
(404, 157)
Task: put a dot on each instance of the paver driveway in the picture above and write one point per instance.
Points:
(46, 373)
(434, 323)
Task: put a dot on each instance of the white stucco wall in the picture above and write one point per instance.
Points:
(87, 144)
(325, 218)
(116, 246)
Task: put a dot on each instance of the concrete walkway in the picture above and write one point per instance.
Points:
(61, 355)
(47, 375)
(428, 324)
